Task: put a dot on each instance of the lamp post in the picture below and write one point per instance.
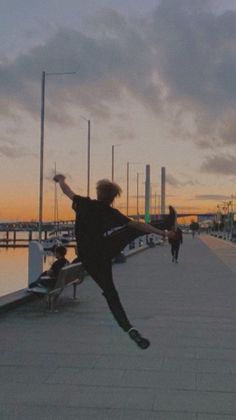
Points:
(43, 80)
(155, 203)
(127, 183)
(88, 168)
(113, 160)
(138, 195)
(88, 154)
(127, 189)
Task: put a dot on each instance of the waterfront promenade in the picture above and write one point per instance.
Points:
(78, 365)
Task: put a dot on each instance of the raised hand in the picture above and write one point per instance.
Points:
(59, 177)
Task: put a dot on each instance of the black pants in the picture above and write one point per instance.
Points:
(98, 263)
(100, 269)
(175, 251)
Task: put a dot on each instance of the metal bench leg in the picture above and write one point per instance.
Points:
(74, 290)
(50, 303)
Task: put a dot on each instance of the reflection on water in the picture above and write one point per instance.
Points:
(14, 268)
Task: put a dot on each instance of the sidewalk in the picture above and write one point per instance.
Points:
(78, 365)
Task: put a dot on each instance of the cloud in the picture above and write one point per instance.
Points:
(174, 182)
(195, 52)
(171, 180)
(10, 149)
(180, 61)
(224, 165)
(214, 197)
(107, 66)
(228, 130)
(122, 134)
(13, 152)
(6, 139)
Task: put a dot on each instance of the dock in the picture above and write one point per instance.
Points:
(77, 364)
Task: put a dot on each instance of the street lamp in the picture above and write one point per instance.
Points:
(127, 182)
(43, 79)
(137, 195)
(113, 160)
(88, 155)
(137, 191)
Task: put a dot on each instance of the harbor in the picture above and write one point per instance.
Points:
(19, 234)
(117, 216)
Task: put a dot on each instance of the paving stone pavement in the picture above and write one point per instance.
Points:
(78, 364)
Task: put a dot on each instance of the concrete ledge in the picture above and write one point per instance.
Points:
(136, 250)
(12, 300)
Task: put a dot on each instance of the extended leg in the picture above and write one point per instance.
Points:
(118, 240)
(102, 274)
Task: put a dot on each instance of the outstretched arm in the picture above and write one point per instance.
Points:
(144, 227)
(64, 187)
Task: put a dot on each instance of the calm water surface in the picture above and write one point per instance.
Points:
(14, 268)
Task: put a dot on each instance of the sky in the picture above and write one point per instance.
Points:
(157, 79)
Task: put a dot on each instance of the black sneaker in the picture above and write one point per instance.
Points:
(143, 343)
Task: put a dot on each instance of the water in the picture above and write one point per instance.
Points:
(14, 268)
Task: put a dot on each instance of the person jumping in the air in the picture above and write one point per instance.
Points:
(96, 248)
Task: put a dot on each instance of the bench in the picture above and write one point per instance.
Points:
(70, 275)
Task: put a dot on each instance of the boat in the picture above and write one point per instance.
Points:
(51, 243)
(63, 238)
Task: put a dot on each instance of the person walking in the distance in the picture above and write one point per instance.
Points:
(175, 244)
(96, 248)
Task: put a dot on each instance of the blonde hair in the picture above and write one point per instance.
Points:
(107, 191)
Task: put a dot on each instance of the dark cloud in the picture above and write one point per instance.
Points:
(171, 180)
(182, 58)
(174, 182)
(112, 63)
(220, 165)
(195, 52)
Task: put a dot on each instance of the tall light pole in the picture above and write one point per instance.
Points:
(88, 165)
(41, 154)
(43, 80)
(113, 161)
(155, 203)
(88, 154)
(127, 189)
(127, 183)
(55, 198)
(137, 195)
